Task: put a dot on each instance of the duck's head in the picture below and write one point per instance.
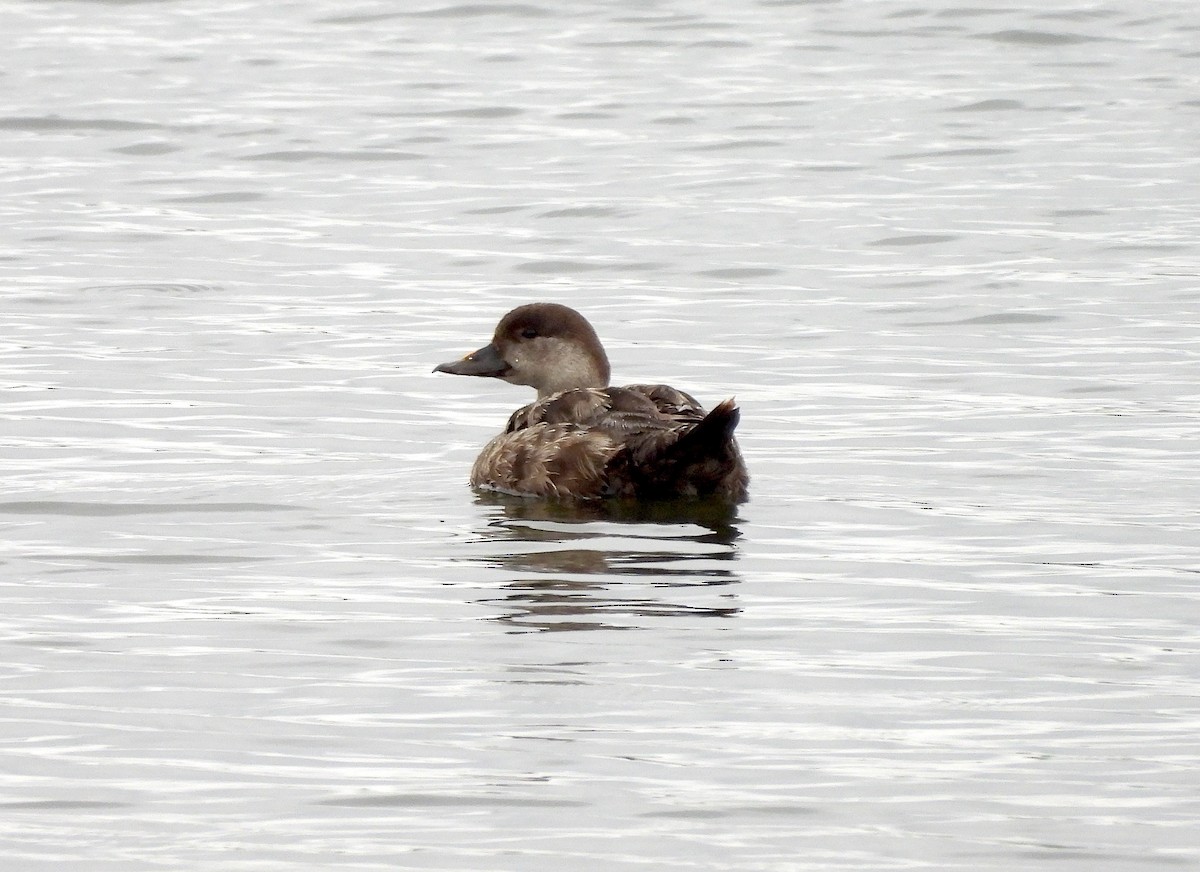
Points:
(549, 347)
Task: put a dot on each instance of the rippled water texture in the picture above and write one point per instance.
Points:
(945, 257)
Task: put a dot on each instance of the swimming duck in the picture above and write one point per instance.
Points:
(582, 439)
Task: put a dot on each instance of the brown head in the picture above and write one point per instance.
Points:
(549, 347)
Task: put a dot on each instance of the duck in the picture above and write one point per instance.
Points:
(584, 440)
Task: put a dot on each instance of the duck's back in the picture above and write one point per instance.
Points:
(641, 441)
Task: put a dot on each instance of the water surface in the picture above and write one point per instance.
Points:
(944, 256)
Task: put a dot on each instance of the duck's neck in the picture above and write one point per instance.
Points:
(570, 378)
(567, 369)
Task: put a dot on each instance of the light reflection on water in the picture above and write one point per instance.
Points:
(944, 257)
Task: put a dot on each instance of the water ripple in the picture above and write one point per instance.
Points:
(253, 616)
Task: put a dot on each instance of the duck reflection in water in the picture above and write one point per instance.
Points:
(643, 471)
(611, 564)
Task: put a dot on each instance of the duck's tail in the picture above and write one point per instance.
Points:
(705, 460)
(711, 434)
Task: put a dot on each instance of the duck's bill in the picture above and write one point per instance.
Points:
(484, 362)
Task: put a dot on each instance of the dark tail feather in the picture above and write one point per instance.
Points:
(710, 436)
(705, 460)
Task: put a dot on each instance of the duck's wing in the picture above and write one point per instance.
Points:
(672, 404)
(618, 411)
(640, 440)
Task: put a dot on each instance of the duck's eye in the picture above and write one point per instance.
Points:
(529, 333)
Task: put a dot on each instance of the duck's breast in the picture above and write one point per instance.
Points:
(546, 460)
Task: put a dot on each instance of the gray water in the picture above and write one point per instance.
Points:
(946, 258)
